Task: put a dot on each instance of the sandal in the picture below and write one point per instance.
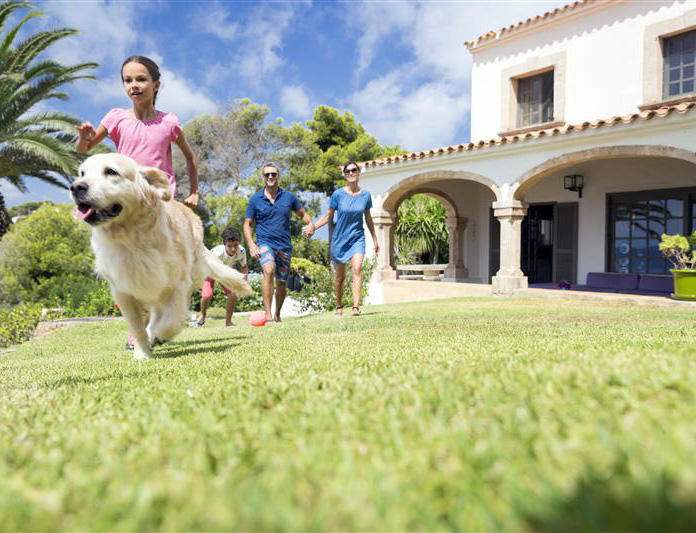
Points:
(339, 310)
(355, 310)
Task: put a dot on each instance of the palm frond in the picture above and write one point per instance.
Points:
(6, 10)
(27, 50)
(53, 153)
(39, 145)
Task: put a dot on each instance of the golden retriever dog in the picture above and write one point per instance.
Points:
(149, 249)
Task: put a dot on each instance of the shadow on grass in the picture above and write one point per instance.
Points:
(616, 504)
(195, 347)
(331, 314)
(73, 381)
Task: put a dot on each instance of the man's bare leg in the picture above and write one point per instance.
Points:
(280, 298)
(267, 289)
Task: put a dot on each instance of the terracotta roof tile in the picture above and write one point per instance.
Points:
(550, 132)
(492, 35)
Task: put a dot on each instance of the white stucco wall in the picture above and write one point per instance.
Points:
(506, 165)
(603, 49)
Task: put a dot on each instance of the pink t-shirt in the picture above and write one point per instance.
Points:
(148, 142)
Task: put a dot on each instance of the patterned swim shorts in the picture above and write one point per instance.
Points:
(281, 260)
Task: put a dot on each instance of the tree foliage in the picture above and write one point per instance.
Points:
(46, 258)
(36, 144)
(230, 147)
(26, 208)
(313, 155)
(421, 229)
(5, 218)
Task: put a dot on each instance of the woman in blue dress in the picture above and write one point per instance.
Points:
(349, 203)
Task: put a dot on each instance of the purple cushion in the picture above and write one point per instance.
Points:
(588, 288)
(656, 282)
(612, 280)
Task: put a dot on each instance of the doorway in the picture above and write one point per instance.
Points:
(537, 243)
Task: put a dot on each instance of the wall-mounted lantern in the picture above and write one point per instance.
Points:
(574, 182)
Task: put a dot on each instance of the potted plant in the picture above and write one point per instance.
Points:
(680, 251)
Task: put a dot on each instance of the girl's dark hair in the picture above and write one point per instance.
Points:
(231, 234)
(351, 163)
(149, 64)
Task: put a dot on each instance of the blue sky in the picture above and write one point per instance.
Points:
(400, 67)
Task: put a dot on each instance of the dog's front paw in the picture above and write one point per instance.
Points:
(141, 354)
(157, 342)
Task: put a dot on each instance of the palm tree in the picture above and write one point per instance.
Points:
(35, 144)
(421, 228)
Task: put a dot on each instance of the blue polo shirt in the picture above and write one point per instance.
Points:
(273, 219)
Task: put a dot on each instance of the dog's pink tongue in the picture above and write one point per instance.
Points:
(84, 214)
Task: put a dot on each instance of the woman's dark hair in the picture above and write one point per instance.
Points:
(149, 64)
(349, 163)
(231, 234)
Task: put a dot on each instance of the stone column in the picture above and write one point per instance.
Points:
(384, 227)
(456, 269)
(510, 276)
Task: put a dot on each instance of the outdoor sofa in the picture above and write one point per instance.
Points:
(641, 284)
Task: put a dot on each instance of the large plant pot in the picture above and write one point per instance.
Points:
(684, 284)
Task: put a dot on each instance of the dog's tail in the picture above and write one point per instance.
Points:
(226, 276)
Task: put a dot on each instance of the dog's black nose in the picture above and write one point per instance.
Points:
(79, 189)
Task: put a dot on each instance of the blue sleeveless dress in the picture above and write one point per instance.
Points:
(348, 236)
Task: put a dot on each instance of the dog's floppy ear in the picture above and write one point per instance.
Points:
(158, 180)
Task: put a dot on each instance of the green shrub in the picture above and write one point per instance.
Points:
(248, 303)
(18, 324)
(305, 267)
(46, 258)
(97, 303)
(318, 294)
(679, 250)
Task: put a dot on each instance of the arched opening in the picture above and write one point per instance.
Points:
(466, 199)
(631, 195)
(421, 235)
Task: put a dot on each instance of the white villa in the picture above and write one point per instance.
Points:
(583, 153)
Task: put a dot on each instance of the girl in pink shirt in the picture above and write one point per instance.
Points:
(142, 132)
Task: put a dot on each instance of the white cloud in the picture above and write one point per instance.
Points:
(179, 96)
(259, 51)
(423, 104)
(294, 101)
(377, 20)
(214, 19)
(107, 30)
(416, 118)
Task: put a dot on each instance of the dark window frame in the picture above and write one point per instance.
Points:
(686, 194)
(679, 65)
(535, 99)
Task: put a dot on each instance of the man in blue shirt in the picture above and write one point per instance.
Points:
(270, 209)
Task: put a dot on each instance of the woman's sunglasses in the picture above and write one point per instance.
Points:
(352, 171)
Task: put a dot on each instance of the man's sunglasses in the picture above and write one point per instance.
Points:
(270, 174)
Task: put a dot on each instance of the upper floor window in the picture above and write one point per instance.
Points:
(679, 64)
(535, 99)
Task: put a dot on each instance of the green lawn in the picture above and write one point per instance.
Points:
(476, 414)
